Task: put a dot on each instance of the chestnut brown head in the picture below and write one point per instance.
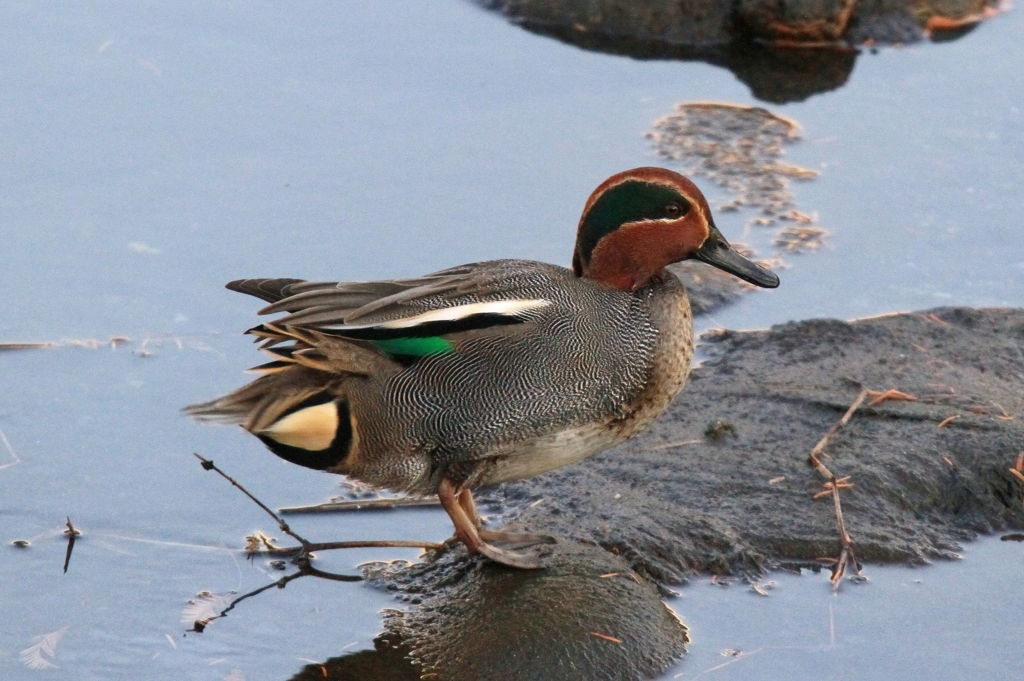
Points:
(638, 221)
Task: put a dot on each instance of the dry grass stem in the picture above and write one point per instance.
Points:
(605, 637)
(846, 557)
(888, 395)
(361, 505)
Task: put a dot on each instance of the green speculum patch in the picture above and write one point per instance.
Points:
(630, 201)
(414, 347)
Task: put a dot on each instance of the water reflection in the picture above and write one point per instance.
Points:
(783, 51)
(583, 615)
(587, 611)
(388, 661)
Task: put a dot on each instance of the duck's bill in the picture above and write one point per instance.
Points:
(716, 251)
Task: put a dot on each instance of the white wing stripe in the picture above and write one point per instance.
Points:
(505, 308)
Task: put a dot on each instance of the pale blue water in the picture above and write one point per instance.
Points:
(153, 151)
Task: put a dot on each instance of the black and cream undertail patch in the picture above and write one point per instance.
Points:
(316, 434)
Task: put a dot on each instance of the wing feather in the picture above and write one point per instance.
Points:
(466, 297)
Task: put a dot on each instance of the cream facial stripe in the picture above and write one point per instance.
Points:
(504, 308)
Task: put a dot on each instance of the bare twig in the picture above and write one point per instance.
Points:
(71, 532)
(815, 461)
(305, 569)
(847, 556)
(311, 547)
(361, 505)
(210, 466)
(301, 553)
(832, 484)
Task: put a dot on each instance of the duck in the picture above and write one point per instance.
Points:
(492, 371)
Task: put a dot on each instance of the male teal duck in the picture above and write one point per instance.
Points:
(492, 371)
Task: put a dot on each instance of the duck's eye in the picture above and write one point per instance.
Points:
(674, 210)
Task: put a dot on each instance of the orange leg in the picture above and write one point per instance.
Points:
(462, 511)
(469, 506)
(465, 525)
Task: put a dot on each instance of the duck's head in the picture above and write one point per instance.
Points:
(641, 220)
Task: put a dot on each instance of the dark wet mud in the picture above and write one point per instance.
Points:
(721, 484)
(586, 616)
(699, 22)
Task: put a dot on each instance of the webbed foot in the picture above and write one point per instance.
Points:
(516, 559)
(519, 540)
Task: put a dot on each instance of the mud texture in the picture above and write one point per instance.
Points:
(721, 482)
(585, 617)
(755, 39)
(739, 148)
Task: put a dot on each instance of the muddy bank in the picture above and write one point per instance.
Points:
(585, 617)
(721, 483)
(752, 38)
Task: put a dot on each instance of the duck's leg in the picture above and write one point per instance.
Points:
(467, 533)
(521, 540)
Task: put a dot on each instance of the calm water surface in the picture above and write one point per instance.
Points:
(153, 151)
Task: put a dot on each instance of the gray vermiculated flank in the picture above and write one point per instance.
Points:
(577, 361)
(578, 368)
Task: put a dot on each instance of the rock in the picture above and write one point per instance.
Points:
(752, 38)
(585, 617)
(721, 484)
(683, 498)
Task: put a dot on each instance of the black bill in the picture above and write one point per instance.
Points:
(717, 251)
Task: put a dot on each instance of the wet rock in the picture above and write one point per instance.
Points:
(739, 148)
(745, 36)
(677, 500)
(585, 616)
(721, 484)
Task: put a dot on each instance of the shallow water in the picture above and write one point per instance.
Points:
(943, 621)
(152, 152)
